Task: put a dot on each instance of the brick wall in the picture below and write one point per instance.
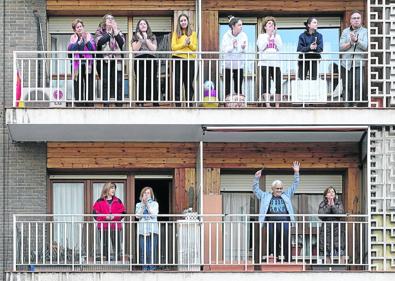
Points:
(22, 166)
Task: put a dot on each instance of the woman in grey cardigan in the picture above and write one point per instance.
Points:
(332, 229)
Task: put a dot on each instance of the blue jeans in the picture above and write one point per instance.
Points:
(150, 247)
(278, 233)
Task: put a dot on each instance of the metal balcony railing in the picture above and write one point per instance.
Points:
(189, 242)
(127, 79)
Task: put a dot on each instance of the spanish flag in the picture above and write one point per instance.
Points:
(18, 85)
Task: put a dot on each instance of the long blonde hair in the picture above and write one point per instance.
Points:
(179, 28)
(106, 187)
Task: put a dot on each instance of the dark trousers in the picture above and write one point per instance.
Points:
(270, 73)
(146, 72)
(279, 239)
(235, 76)
(109, 80)
(86, 83)
(187, 67)
(148, 247)
(307, 69)
(354, 85)
(115, 238)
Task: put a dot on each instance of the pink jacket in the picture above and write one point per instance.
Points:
(88, 45)
(102, 208)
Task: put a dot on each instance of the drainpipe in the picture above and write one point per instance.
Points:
(40, 40)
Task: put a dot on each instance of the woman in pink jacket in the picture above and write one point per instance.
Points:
(109, 211)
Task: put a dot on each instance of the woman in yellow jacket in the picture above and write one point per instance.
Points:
(183, 42)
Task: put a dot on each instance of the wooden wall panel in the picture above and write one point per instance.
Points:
(120, 155)
(307, 7)
(120, 7)
(352, 200)
(183, 155)
(281, 155)
(184, 195)
(212, 181)
(210, 31)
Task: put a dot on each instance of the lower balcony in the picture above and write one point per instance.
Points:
(190, 242)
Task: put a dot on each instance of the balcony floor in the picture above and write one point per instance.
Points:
(182, 125)
(201, 276)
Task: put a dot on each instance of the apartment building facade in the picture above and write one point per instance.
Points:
(57, 153)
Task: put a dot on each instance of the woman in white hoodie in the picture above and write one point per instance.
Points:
(233, 46)
(269, 43)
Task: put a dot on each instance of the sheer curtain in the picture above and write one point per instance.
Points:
(236, 230)
(68, 198)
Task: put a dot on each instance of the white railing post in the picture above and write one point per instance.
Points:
(14, 238)
(203, 68)
(188, 239)
(14, 80)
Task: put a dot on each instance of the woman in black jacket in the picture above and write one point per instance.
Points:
(332, 233)
(311, 44)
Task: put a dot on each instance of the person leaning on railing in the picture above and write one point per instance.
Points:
(82, 64)
(277, 202)
(354, 39)
(310, 43)
(234, 44)
(269, 43)
(184, 41)
(329, 232)
(109, 211)
(110, 39)
(147, 211)
(144, 41)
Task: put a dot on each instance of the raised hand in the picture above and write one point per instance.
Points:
(313, 46)
(187, 41)
(353, 37)
(74, 38)
(258, 173)
(234, 43)
(296, 166)
(115, 27)
(243, 46)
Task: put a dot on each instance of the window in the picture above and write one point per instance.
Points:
(68, 199)
(237, 200)
(290, 28)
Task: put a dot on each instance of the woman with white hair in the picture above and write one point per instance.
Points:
(275, 212)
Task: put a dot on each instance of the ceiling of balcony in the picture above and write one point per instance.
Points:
(182, 125)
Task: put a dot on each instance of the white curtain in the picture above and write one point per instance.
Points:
(68, 198)
(236, 229)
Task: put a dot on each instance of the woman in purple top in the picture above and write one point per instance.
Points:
(82, 67)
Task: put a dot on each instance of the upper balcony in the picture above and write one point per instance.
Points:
(54, 91)
(204, 79)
